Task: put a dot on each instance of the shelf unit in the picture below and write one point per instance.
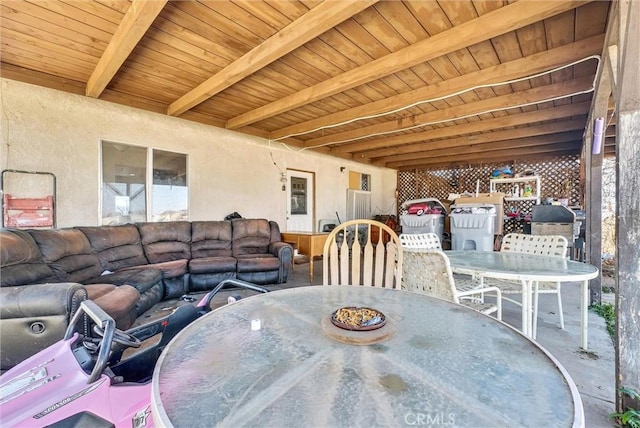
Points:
(505, 185)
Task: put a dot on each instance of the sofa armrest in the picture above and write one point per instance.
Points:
(33, 317)
(284, 252)
(36, 300)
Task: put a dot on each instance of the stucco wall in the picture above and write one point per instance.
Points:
(58, 132)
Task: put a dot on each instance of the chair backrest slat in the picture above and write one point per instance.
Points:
(390, 267)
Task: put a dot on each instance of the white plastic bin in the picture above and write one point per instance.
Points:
(472, 227)
(423, 223)
(426, 223)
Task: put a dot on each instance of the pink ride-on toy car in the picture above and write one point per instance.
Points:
(83, 380)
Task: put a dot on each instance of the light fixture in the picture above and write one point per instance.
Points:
(283, 180)
(598, 129)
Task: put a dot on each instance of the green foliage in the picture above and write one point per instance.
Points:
(630, 417)
(608, 312)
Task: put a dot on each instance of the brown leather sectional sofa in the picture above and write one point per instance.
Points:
(127, 269)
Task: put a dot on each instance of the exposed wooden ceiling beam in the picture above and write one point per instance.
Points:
(133, 26)
(21, 74)
(492, 24)
(494, 155)
(496, 160)
(532, 96)
(515, 69)
(559, 112)
(483, 146)
(405, 152)
(310, 25)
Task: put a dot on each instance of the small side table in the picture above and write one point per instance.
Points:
(309, 244)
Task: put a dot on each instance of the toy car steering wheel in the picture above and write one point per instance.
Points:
(121, 337)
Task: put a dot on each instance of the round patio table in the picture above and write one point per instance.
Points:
(528, 268)
(276, 360)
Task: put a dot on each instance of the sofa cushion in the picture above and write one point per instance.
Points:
(250, 236)
(68, 253)
(117, 247)
(95, 291)
(258, 263)
(142, 279)
(166, 241)
(171, 269)
(120, 303)
(21, 261)
(211, 239)
(212, 265)
(149, 298)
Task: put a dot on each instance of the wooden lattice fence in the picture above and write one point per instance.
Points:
(559, 177)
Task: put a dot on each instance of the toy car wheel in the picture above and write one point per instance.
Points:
(420, 212)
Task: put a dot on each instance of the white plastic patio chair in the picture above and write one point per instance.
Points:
(420, 240)
(431, 241)
(544, 245)
(428, 271)
(350, 257)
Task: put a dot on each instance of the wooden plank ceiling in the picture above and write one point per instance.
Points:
(402, 84)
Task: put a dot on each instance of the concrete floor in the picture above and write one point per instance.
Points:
(592, 370)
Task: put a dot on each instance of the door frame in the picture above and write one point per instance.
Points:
(311, 196)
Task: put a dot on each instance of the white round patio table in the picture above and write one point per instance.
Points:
(437, 363)
(528, 268)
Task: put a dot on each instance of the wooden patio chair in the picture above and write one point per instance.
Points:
(544, 245)
(352, 257)
(428, 271)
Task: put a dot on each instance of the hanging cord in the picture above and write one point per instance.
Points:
(272, 159)
(488, 85)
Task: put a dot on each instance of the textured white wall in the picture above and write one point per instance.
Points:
(53, 131)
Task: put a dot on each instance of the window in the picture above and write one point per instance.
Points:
(365, 179)
(125, 184)
(169, 191)
(298, 195)
(359, 181)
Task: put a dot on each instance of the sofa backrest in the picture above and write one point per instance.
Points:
(166, 241)
(250, 236)
(68, 253)
(211, 239)
(21, 261)
(276, 236)
(117, 247)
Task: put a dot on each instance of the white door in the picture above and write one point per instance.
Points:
(300, 198)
